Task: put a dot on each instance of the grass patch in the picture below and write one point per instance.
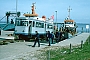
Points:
(76, 54)
(63, 53)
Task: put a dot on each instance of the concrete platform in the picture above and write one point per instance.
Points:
(12, 50)
(6, 37)
(6, 34)
(75, 40)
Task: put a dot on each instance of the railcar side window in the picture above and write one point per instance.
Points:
(49, 26)
(40, 25)
(37, 24)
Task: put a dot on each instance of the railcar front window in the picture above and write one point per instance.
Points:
(68, 22)
(49, 26)
(17, 23)
(22, 23)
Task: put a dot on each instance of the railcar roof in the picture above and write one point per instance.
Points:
(69, 21)
(33, 19)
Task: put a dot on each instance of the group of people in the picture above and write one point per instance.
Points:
(49, 38)
(59, 36)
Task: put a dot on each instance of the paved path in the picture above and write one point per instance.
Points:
(18, 48)
(75, 40)
(6, 37)
(7, 52)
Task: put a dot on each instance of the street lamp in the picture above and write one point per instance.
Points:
(56, 18)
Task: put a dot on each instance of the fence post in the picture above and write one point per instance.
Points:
(82, 44)
(89, 40)
(82, 30)
(70, 47)
(48, 57)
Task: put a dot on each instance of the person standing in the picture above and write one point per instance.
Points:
(57, 36)
(52, 36)
(12, 21)
(36, 39)
(49, 38)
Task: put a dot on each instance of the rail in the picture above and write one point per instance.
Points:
(4, 27)
(2, 18)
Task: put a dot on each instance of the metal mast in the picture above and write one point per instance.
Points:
(56, 18)
(16, 8)
(69, 12)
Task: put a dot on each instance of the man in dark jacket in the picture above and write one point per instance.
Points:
(49, 38)
(57, 36)
(36, 39)
(52, 36)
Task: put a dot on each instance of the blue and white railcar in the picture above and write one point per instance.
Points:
(26, 26)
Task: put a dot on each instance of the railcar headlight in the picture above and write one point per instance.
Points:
(23, 31)
(15, 30)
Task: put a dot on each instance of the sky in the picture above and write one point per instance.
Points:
(80, 12)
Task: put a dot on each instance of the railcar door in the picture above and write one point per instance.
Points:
(30, 28)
